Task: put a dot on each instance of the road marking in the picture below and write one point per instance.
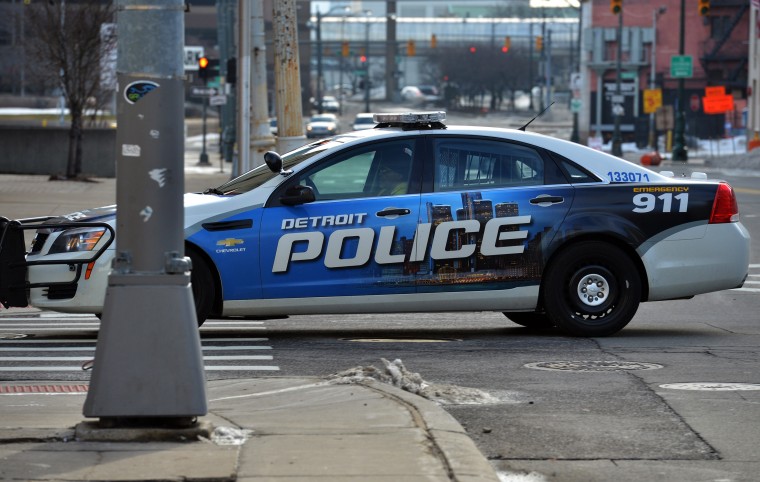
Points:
(713, 387)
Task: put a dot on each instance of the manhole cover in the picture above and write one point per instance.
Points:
(12, 336)
(714, 387)
(592, 366)
(43, 389)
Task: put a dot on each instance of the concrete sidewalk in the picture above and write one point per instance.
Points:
(265, 429)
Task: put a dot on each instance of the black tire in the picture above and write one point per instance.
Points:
(204, 289)
(530, 319)
(591, 289)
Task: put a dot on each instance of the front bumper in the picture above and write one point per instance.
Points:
(22, 275)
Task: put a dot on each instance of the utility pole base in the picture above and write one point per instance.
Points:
(148, 361)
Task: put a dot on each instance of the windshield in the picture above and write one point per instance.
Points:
(261, 174)
(318, 118)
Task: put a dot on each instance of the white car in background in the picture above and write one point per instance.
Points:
(363, 120)
(322, 125)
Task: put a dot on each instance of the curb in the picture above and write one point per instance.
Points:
(451, 443)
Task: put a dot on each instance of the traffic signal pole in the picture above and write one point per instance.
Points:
(148, 366)
(679, 141)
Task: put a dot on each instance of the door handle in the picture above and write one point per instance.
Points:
(547, 200)
(393, 212)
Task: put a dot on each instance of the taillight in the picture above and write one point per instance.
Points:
(725, 208)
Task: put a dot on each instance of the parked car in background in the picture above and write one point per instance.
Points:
(322, 125)
(421, 95)
(431, 94)
(363, 120)
(412, 93)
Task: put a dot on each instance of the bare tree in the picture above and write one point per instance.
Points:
(479, 69)
(68, 48)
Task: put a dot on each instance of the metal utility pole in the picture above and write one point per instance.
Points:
(679, 142)
(226, 21)
(244, 88)
(653, 75)
(287, 77)
(262, 139)
(366, 54)
(617, 139)
(148, 363)
(391, 70)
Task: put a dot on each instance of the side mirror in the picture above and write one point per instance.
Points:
(297, 194)
(273, 161)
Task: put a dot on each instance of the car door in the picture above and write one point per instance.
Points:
(492, 206)
(355, 238)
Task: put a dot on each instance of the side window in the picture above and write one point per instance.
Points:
(467, 163)
(575, 173)
(345, 177)
(380, 169)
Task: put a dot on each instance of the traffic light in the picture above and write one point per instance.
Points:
(473, 49)
(539, 43)
(344, 49)
(203, 68)
(362, 59)
(616, 6)
(704, 7)
(410, 48)
(232, 70)
(433, 41)
(507, 44)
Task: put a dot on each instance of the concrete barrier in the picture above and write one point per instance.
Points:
(43, 150)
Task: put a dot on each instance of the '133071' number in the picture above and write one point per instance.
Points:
(646, 203)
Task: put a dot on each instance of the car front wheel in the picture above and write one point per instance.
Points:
(591, 289)
(202, 283)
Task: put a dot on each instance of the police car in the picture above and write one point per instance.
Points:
(417, 216)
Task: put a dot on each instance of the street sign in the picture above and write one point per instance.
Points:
(191, 56)
(681, 67)
(576, 105)
(652, 100)
(203, 91)
(710, 91)
(217, 100)
(694, 102)
(717, 104)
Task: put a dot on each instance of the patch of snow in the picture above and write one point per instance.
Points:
(396, 374)
(520, 477)
(228, 436)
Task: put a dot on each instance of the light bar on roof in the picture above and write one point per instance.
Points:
(410, 117)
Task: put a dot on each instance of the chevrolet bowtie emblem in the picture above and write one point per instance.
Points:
(229, 242)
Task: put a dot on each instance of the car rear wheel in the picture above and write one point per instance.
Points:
(529, 319)
(202, 283)
(591, 289)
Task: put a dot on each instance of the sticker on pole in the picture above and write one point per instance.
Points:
(139, 89)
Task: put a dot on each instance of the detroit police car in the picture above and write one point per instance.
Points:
(417, 216)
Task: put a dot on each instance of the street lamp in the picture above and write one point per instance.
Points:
(346, 9)
(652, 77)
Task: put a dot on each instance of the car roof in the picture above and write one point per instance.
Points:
(600, 163)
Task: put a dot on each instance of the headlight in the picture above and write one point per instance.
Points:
(76, 240)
